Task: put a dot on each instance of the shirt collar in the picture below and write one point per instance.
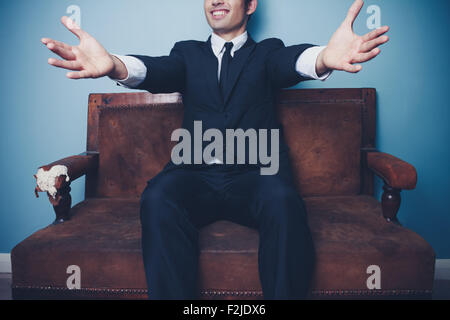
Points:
(218, 43)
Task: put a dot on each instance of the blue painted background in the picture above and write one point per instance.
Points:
(43, 114)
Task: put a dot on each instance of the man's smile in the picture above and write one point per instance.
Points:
(218, 14)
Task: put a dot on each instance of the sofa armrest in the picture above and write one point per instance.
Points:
(397, 175)
(395, 172)
(57, 182)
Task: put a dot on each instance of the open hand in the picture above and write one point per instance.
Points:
(346, 48)
(87, 60)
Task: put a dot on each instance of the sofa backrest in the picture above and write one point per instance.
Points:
(324, 128)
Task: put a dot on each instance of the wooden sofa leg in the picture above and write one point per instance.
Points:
(390, 203)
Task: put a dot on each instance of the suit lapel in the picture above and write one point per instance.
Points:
(237, 64)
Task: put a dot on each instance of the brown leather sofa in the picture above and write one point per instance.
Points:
(331, 134)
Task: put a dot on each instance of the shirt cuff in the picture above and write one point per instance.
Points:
(137, 71)
(306, 64)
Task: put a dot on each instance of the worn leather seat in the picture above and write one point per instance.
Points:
(349, 234)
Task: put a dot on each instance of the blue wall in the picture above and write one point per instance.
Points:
(43, 114)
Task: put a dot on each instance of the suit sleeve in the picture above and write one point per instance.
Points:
(281, 63)
(165, 74)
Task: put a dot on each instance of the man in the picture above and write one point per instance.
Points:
(229, 81)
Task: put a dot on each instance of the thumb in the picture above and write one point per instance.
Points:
(73, 27)
(353, 12)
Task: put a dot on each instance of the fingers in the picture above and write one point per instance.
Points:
(375, 33)
(73, 27)
(70, 65)
(369, 45)
(58, 43)
(78, 75)
(61, 51)
(353, 12)
(352, 68)
(364, 57)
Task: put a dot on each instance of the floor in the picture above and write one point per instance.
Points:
(5, 286)
(441, 288)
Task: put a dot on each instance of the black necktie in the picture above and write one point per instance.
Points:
(225, 67)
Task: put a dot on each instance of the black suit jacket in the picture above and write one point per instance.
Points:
(257, 72)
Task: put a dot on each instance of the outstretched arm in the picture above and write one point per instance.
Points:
(346, 49)
(87, 60)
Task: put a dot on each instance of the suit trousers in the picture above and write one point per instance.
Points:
(177, 203)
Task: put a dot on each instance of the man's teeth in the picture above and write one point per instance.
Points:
(219, 13)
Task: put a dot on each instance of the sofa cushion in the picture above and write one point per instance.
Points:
(103, 239)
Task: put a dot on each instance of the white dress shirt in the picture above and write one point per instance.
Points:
(305, 65)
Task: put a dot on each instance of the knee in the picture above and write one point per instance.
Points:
(278, 194)
(154, 200)
(283, 206)
(150, 196)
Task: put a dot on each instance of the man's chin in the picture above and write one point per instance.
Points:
(219, 26)
(221, 31)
